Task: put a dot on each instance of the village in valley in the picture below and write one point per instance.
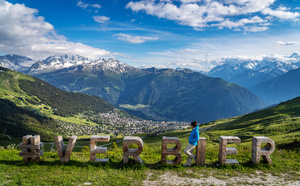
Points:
(114, 123)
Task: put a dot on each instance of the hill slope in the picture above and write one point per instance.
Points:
(30, 105)
(279, 89)
(281, 123)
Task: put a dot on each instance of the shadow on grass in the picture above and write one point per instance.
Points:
(132, 165)
(295, 145)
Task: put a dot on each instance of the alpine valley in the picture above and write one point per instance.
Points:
(156, 94)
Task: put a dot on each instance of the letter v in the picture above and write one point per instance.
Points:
(64, 154)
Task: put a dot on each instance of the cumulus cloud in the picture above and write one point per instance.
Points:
(281, 43)
(101, 19)
(199, 14)
(134, 39)
(23, 32)
(83, 5)
(281, 13)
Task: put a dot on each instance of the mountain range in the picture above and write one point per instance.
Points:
(141, 92)
(249, 73)
(16, 62)
(158, 94)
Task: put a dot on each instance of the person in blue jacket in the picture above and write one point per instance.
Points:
(193, 140)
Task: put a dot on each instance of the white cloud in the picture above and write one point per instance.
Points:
(281, 13)
(258, 58)
(96, 6)
(256, 29)
(240, 23)
(207, 13)
(23, 32)
(189, 50)
(101, 19)
(82, 4)
(281, 43)
(204, 65)
(134, 39)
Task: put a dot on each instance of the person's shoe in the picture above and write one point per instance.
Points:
(186, 165)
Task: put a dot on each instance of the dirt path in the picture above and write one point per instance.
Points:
(259, 178)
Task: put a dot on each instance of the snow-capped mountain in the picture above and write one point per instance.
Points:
(250, 73)
(108, 65)
(15, 62)
(57, 62)
(295, 55)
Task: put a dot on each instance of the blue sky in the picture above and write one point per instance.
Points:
(196, 34)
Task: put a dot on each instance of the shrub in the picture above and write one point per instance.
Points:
(114, 146)
(12, 147)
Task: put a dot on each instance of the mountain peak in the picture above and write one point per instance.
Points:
(58, 62)
(16, 62)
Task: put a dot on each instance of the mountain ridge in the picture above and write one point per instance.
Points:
(279, 89)
(153, 87)
(164, 94)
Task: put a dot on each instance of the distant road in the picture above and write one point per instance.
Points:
(6, 134)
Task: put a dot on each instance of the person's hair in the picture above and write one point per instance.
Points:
(194, 123)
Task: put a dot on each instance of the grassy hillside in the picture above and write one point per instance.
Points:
(32, 106)
(281, 123)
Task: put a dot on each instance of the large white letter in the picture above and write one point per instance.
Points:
(98, 150)
(257, 151)
(64, 155)
(173, 151)
(224, 150)
(132, 152)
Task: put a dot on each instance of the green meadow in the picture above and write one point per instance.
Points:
(80, 171)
